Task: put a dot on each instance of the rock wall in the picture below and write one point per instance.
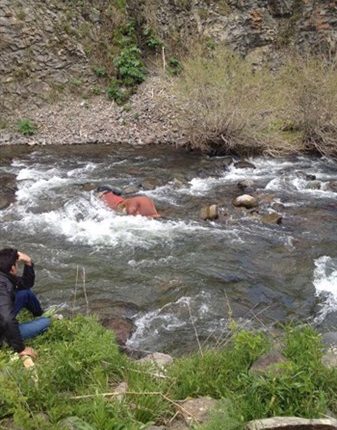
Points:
(42, 49)
(247, 24)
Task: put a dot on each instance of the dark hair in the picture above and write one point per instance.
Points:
(107, 189)
(8, 257)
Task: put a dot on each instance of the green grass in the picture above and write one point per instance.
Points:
(26, 127)
(79, 363)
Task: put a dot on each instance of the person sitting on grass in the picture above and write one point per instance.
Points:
(15, 295)
(137, 205)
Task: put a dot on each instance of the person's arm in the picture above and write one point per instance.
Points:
(27, 279)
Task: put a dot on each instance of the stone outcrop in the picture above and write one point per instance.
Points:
(45, 46)
(292, 423)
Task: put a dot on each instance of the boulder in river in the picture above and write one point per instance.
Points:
(7, 190)
(245, 184)
(332, 186)
(209, 212)
(243, 164)
(245, 200)
(122, 327)
(313, 185)
(271, 218)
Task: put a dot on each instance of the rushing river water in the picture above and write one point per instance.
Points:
(176, 276)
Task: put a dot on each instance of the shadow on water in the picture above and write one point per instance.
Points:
(178, 275)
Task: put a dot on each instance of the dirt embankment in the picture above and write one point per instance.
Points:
(146, 119)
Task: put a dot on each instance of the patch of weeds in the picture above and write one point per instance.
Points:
(174, 66)
(26, 127)
(75, 82)
(120, 4)
(100, 72)
(116, 92)
(96, 91)
(151, 40)
(3, 124)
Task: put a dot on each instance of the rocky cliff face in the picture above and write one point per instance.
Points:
(44, 44)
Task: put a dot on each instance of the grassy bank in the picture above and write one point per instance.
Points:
(79, 366)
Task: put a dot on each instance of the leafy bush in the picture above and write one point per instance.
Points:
(130, 68)
(26, 127)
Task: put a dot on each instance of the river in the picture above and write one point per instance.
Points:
(181, 280)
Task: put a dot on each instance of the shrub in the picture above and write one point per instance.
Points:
(100, 72)
(310, 102)
(151, 40)
(130, 68)
(26, 127)
(225, 105)
(116, 92)
(174, 66)
(222, 104)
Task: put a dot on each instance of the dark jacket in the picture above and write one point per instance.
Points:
(9, 327)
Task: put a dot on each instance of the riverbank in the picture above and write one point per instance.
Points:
(145, 119)
(81, 381)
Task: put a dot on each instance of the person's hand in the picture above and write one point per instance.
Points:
(24, 258)
(28, 351)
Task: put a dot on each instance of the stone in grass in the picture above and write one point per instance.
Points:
(292, 423)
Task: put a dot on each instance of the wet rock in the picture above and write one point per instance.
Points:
(122, 327)
(313, 185)
(151, 184)
(244, 184)
(7, 190)
(277, 206)
(227, 161)
(244, 165)
(209, 212)
(4, 202)
(88, 186)
(332, 186)
(330, 339)
(245, 200)
(131, 189)
(272, 218)
(292, 423)
(306, 176)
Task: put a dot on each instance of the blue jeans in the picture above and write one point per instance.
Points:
(26, 299)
